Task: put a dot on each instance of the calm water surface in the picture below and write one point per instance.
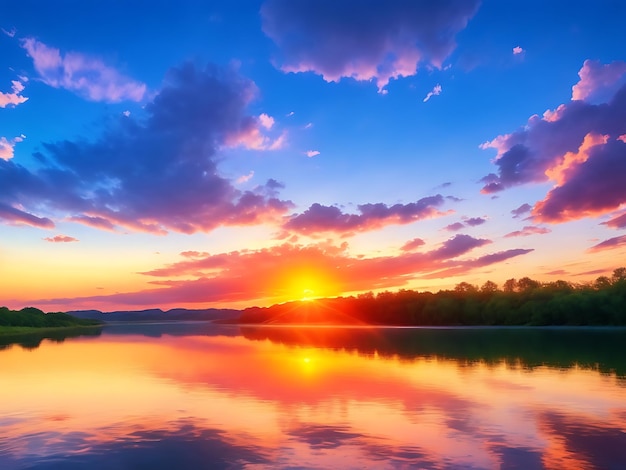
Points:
(198, 395)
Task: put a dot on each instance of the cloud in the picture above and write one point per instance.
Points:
(611, 243)
(278, 272)
(60, 239)
(455, 227)
(7, 146)
(619, 221)
(528, 230)
(521, 210)
(475, 221)
(312, 153)
(14, 215)
(14, 97)
(518, 50)
(412, 244)
(266, 121)
(598, 79)
(245, 178)
(436, 91)
(11, 32)
(87, 76)
(577, 147)
(319, 218)
(158, 174)
(373, 41)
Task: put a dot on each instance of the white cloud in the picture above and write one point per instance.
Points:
(517, 50)
(436, 91)
(10, 32)
(312, 153)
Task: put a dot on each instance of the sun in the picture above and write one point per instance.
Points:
(308, 295)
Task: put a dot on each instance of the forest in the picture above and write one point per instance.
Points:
(31, 317)
(519, 302)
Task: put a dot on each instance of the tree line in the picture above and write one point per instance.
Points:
(518, 302)
(35, 318)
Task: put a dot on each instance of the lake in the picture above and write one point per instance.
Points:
(200, 395)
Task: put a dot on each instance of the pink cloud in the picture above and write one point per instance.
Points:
(475, 221)
(518, 50)
(619, 221)
(610, 244)
(312, 153)
(412, 244)
(319, 218)
(373, 41)
(84, 75)
(14, 97)
(528, 230)
(245, 178)
(60, 239)
(599, 79)
(7, 146)
(262, 275)
(266, 121)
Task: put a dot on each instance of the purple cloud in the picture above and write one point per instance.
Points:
(320, 218)
(611, 243)
(475, 221)
(599, 81)
(84, 75)
(521, 210)
(455, 227)
(365, 41)
(154, 175)
(619, 221)
(13, 215)
(578, 146)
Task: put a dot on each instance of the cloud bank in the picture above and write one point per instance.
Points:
(376, 41)
(319, 218)
(580, 147)
(154, 175)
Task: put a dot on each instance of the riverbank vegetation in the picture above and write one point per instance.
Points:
(518, 302)
(32, 319)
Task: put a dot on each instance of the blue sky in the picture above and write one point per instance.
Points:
(240, 153)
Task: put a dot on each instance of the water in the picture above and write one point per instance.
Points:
(197, 395)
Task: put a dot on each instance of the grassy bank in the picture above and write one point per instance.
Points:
(30, 330)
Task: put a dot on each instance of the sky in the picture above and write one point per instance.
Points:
(238, 153)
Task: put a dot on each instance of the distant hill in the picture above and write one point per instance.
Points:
(155, 314)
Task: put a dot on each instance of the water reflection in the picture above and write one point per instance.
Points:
(207, 396)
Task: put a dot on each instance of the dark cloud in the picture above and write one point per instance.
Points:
(580, 146)
(366, 41)
(319, 218)
(155, 175)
